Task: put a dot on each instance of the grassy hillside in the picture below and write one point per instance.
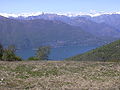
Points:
(59, 75)
(104, 53)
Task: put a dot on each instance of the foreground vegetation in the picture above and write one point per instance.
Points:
(9, 53)
(109, 52)
(59, 75)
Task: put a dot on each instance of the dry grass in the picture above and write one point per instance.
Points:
(59, 75)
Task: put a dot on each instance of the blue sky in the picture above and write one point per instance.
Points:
(28, 6)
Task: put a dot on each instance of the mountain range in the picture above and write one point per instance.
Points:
(59, 30)
(103, 25)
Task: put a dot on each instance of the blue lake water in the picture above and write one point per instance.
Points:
(59, 53)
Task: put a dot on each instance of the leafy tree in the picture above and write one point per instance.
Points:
(43, 52)
(9, 54)
(12, 48)
(1, 51)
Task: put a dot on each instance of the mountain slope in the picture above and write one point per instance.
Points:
(33, 33)
(104, 26)
(104, 53)
(12, 32)
(98, 29)
(112, 20)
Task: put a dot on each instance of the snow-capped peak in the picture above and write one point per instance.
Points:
(18, 15)
(69, 14)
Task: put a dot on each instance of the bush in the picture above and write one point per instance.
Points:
(9, 54)
(33, 58)
(1, 51)
(17, 58)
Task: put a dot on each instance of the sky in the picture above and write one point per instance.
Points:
(63, 6)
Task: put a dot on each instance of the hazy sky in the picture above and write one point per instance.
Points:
(28, 6)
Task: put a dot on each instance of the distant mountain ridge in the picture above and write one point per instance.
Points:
(33, 33)
(107, 25)
(59, 30)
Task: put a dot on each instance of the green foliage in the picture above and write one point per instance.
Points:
(43, 52)
(17, 58)
(9, 54)
(1, 51)
(110, 52)
(32, 58)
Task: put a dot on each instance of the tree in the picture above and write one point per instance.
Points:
(1, 51)
(12, 48)
(43, 52)
(9, 54)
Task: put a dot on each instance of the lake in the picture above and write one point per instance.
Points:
(59, 53)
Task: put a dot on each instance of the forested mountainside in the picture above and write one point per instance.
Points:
(109, 52)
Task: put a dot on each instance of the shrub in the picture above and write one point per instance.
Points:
(17, 58)
(33, 58)
(1, 51)
(9, 54)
